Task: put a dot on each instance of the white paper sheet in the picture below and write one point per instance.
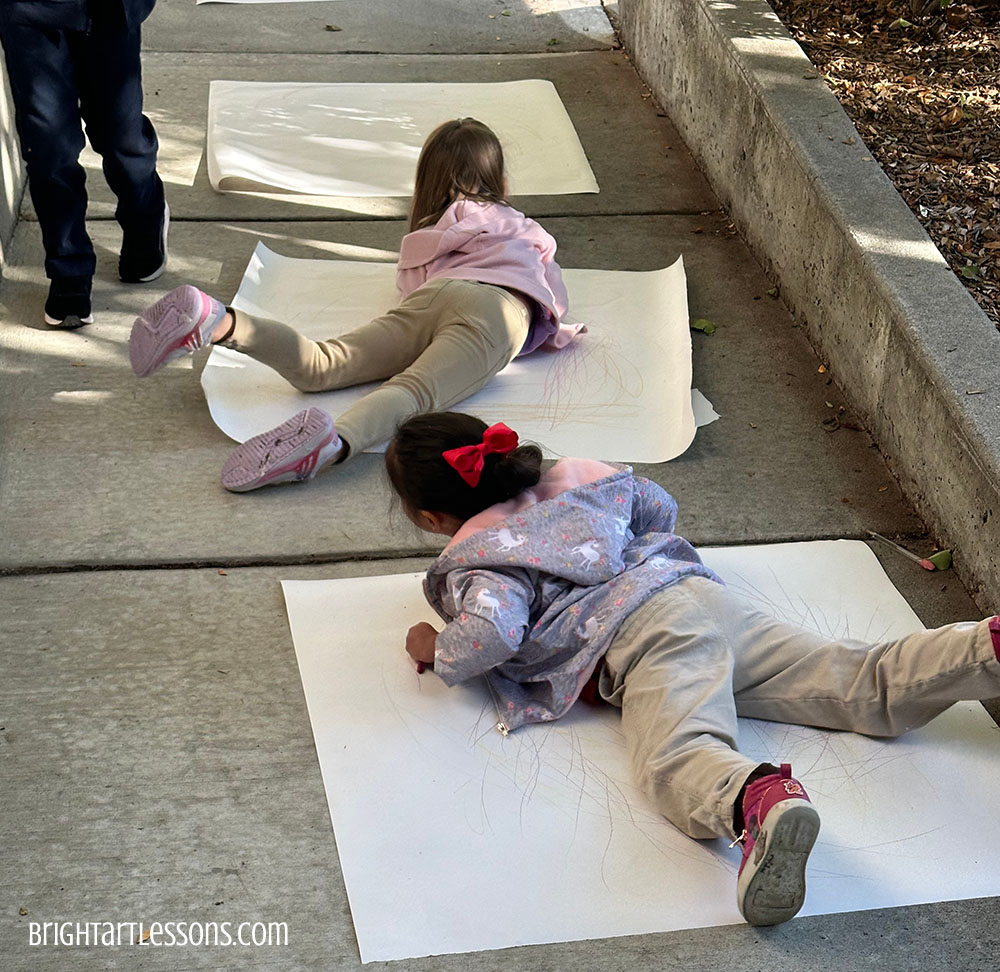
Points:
(364, 139)
(453, 838)
(621, 392)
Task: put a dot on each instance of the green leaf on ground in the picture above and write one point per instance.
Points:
(706, 327)
(971, 272)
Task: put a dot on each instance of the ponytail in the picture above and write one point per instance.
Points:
(425, 480)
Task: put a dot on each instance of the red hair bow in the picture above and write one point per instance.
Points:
(467, 461)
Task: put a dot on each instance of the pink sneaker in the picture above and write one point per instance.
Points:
(177, 324)
(780, 828)
(295, 450)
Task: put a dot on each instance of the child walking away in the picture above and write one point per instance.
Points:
(75, 64)
(553, 580)
(479, 284)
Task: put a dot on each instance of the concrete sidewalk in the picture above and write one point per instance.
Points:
(154, 738)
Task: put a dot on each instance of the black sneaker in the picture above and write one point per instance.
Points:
(68, 305)
(144, 252)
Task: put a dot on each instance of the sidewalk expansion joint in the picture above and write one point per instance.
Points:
(389, 218)
(318, 560)
(234, 563)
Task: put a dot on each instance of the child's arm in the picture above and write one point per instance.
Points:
(654, 510)
(554, 279)
(489, 623)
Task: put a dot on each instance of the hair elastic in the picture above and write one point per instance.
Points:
(467, 461)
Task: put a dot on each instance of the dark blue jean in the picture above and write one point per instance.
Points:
(60, 81)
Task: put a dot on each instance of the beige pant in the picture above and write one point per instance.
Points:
(441, 344)
(694, 657)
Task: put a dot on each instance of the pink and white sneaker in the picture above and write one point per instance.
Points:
(295, 450)
(780, 828)
(177, 324)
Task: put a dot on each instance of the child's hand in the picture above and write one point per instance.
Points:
(420, 640)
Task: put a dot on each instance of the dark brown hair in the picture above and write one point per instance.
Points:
(462, 157)
(424, 481)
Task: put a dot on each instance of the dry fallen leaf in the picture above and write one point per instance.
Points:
(952, 117)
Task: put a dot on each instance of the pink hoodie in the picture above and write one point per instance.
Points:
(492, 244)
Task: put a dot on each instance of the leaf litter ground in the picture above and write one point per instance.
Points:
(923, 90)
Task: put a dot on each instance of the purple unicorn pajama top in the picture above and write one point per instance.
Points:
(533, 590)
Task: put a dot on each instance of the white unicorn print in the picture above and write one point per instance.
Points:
(485, 600)
(507, 540)
(589, 627)
(588, 552)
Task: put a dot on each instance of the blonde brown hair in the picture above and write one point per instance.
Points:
(462, 157)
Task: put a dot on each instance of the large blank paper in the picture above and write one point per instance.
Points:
(453, 838)
(621, 391)
(364, 139)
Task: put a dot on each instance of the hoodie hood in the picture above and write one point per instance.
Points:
(489, 243)
(465, 226)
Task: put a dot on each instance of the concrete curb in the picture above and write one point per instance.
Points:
(912, 350)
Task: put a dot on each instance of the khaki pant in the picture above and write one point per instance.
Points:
(694, 657)
(440, 345)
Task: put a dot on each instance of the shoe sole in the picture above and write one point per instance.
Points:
(167, 330)
(288, 453)
(773, 889)
(70, 322)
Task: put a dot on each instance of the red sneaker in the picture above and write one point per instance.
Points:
(780, 828)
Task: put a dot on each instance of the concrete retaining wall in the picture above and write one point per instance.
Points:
(912, 350)
(12, 179)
